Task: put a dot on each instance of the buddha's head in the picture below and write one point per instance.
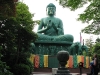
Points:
(51, 9)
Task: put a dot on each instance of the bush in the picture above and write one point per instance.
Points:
(21, 69)
(4, 69)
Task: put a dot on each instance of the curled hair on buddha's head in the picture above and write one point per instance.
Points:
(50, 5)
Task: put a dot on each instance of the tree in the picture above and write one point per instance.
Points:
(4, 69)
(96, 48)
(89, 44)
(98, 40)
(16, 35)
(90, 15)
(7, 8)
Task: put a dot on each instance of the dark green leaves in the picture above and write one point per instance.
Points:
(90, 15)
(72, 4)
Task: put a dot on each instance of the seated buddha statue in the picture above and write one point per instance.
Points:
(51, 27)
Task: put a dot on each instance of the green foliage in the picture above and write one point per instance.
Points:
(23, 16)
(37, 22)
(92, 12)
(7, 8)
(98, 40)
(93, 47)
(96, 49)
(15, 37)
(4, 69)
(21, 69)
(89, 44)
(72, 4)
(90, 15)
(84, 53)
(84, 50)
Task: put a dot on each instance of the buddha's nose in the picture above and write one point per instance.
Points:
(51, 12)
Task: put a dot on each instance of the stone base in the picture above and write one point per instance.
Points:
(54, 71)
(72, 70)
(51, 47)
(63, 71)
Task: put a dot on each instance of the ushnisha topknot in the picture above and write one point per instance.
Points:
(51, 5)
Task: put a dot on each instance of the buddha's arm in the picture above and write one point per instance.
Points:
(60, 27)
(40, 28)
(54, 26)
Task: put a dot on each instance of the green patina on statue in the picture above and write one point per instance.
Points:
(51, 37)
(51, 28)
(78, 49)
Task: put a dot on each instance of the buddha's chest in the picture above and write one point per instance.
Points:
(51, 20)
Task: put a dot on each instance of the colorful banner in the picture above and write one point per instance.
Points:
(32, 58)
(75, 61)
(45, 60)
(67, 65)
(70, 61)
(36, 61)
(82, 59)
(87, 62)
(41, 64)
(52, 62)
(79, 59)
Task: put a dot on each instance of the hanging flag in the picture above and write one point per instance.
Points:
(84, 61)
(41, 59)
(80, 38)
(79, 59)
(70, 61)
(32, 58)
(45, 60)
(82, 57)
(67, 65)
(36, 59)
(75, 61)
(87, 61)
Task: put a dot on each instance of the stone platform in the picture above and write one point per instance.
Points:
(51, 74)
(72, 70)
(41, 73)
(51, 47)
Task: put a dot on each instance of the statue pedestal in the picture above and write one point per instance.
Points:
(63, 71)
(54, 71)
(63, 57)
(51, 47)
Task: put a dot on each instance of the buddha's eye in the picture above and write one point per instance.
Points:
(51, 8)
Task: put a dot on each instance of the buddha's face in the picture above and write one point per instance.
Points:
(51, 11)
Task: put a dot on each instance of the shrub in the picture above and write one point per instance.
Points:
(21, 69)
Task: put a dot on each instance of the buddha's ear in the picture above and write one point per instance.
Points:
(46, 9)
(55, 13)
(46, 13)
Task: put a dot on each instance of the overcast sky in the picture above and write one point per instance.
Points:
(70, 24)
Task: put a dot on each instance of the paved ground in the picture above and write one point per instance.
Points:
(51, 74)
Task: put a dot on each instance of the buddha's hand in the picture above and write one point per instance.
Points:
(49, 25)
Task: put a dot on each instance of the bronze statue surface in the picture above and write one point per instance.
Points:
(51, 37)
(51, 27)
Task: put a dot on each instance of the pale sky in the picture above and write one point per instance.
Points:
(70, 24)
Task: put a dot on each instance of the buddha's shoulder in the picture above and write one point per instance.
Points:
(43, 18)
(58, 19)
(55, 18)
